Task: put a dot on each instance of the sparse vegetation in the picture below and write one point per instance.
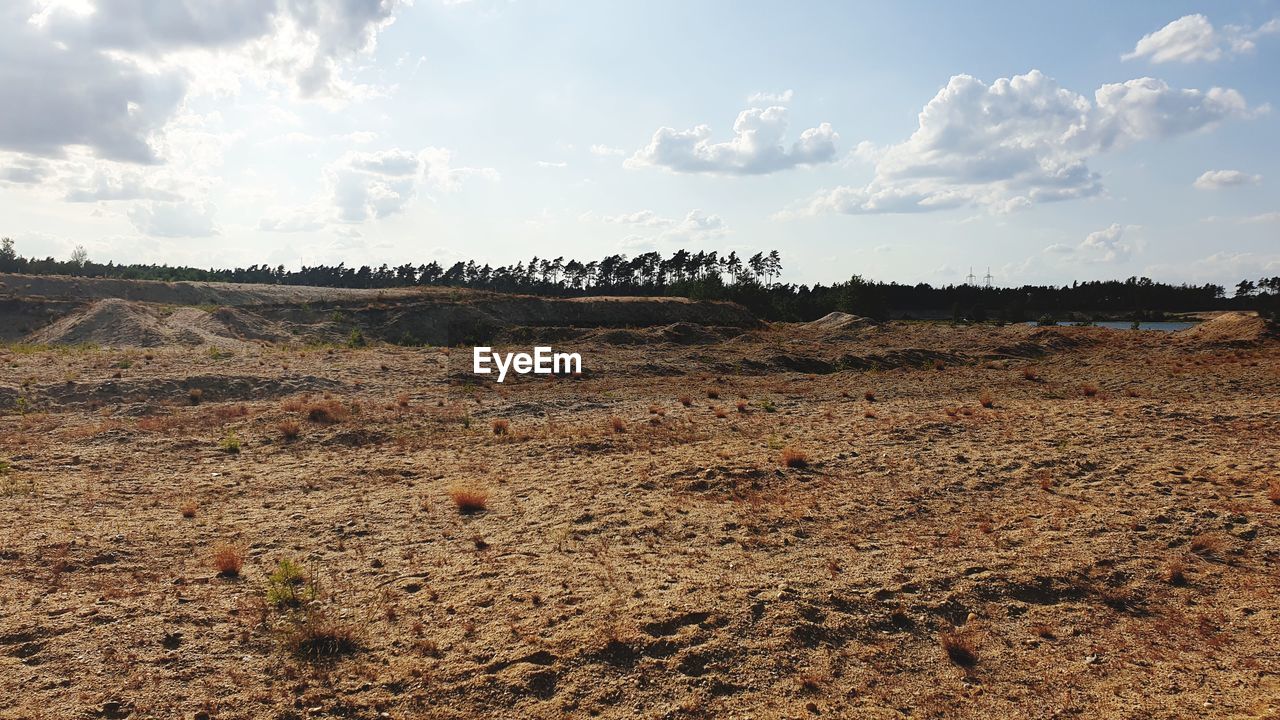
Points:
(230, 443)
(961, 647)
(985, 399)
(195, 395)
(228, 559)
(794, 458)
(289, 429)
(617, 425)
(501, 427)
(1175, 572)
(188, 508)
(327, 412)
(286, 584)
(1089, 390)
(469, 499)
(320, 636)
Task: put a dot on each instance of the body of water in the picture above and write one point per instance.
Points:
(1128, 325)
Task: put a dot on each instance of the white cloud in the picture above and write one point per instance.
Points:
(113, 184)
(1193, 38)
(364, 186)
(111, 75)
(173, 220)
(1019, 141)
(551, 164)
(24, 170)
(606, 151)
(756, 148)
(288, 220)
(695, 227)
(767, 98)
(1259, 219)
(1107, 245)
(1215, 179)
(646, 218)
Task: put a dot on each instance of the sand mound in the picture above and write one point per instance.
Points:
(837, 324)
(1232, 328)
(120, 323)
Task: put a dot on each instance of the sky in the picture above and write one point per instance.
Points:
(904, 141)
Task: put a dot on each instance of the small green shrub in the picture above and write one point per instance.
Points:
(230, 443)
(286, 585)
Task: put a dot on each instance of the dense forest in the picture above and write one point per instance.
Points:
(752, 281)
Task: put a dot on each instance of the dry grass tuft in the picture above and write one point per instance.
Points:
(1132, 392)
(226, 413)
(327, 411)
(293, 405)
(713, 394)
(1208, 545)
(742, 406)
(617, 425)
(320, 636)
(402, 400)
(793, 458)
(469, 499)
(986, 400)
(1089, 390)
(228, 559)
(810, 682)
(188, 508)
(501, 427)
(721, 413)
(960, 647)
(1044, 630)
(1029, 374)
(289, 429)
(1273, 491)
(195, 395)
(1175, 572)
(686, 400)
(869, 395)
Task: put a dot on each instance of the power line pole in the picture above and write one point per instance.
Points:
(971, 279)
(988, 278)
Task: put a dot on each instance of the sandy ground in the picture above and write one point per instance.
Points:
(1099, 542)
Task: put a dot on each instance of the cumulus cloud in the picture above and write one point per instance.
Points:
(20, 170)
(757, 147)
(657, 231)
(1193, 38)
(1019, 141)
(111, 78)
(1107, 245)
(1216, 179)
(364, 186)
(174, 219)
(768, 98)
(105, 185)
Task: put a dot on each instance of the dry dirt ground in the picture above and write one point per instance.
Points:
(1099, 542)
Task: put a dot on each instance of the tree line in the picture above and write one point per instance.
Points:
(752, 281)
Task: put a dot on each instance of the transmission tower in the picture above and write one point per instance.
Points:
(987, 279)
(971, 279)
